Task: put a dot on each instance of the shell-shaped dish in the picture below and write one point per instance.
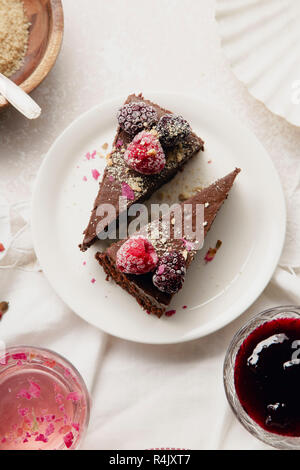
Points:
(261, 39)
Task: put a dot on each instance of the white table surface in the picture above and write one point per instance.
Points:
(143, 396)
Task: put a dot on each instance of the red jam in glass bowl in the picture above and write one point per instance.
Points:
(267, 376)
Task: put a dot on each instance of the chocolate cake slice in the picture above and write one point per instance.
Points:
(121, 180)
(141, 286)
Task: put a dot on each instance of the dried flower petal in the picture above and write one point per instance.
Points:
(127, 191)
(76, 426)
(19, 356)
(95, 174)
(3, 308)
(189, 246)
(211, 253)
(34, 390)
(68, 439)
(169, 313)
(74, 396)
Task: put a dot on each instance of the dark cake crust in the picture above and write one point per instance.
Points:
(130, 286)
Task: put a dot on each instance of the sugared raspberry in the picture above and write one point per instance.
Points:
(145, 154)
(136, 256)
(170, 272)
(134, 117)
(172, 129)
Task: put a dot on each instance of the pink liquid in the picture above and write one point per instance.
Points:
(43, 404)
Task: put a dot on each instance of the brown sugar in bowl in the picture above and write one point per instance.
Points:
(45, 37)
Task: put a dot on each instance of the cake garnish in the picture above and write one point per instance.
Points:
(90, 156)
(211, 252)
(172, 129)
(2, 248)
(127, 191)
(136, 116)
(33, 391)
(170, 272)
(136, 256)
(95, 174)
(145, 154)
(74, 396)
(170, 313)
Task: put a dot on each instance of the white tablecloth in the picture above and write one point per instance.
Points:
(143, 396)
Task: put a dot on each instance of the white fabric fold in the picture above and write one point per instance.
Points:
(142, 396)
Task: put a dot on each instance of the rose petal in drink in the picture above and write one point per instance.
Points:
(74, 396)
(68, 439)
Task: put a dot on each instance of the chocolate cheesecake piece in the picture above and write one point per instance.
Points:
(141, 286)
(119, 180)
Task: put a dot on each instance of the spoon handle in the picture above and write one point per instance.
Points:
(18, 98)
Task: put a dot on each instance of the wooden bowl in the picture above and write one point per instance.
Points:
(45, 38)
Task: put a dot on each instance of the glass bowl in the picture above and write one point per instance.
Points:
(272, 439)
(44, 402)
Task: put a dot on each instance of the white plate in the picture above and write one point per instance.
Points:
(261, 40)
(251, 225)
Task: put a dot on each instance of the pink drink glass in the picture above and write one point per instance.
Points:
(44, 403)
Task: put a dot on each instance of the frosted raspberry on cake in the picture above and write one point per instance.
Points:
(145, 154)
